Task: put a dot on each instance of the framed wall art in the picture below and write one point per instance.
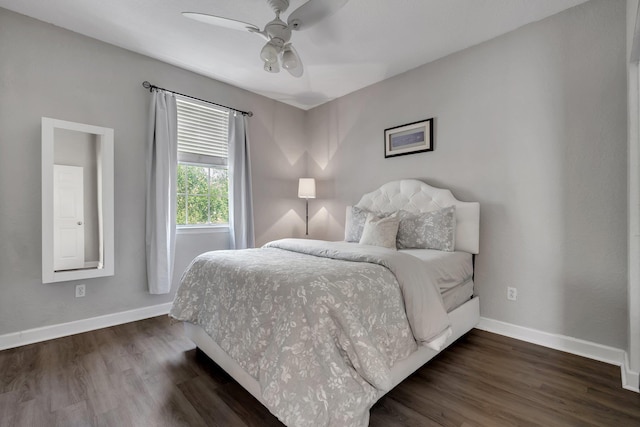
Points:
(409, 139)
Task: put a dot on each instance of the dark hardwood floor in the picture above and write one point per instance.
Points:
(148, 374)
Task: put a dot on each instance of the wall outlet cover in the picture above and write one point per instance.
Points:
(80, 291)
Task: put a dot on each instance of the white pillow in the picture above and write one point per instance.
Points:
(380, 231)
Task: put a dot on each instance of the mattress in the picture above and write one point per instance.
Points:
(451, 271)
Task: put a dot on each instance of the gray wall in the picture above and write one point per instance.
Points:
(533, 126)
(51, 72)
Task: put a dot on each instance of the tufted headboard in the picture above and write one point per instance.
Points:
(416, 196)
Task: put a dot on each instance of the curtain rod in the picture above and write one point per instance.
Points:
(151, 87)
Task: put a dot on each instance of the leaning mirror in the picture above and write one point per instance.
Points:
(77, 201)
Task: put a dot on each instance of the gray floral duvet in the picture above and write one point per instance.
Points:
(317, 324)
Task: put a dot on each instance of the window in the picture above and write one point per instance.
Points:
(202, 191)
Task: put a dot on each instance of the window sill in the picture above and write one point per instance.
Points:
(204, 229)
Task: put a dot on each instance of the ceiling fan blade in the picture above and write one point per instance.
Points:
(219, 21)
(313, 12)
(298, 70)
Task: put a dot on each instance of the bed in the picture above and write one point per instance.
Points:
(319, 331)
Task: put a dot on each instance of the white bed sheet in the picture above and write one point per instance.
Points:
(457, 295)
(450, 271)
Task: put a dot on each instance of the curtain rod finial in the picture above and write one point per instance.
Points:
(146, 85)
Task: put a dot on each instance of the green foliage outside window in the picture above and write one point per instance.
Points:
(202, 195)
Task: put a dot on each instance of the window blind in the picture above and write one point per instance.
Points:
(202, 133)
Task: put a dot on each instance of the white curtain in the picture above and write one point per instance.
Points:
(240, 197)
(162, 153)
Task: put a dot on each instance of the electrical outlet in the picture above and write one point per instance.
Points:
(512, 294)
(80, 291)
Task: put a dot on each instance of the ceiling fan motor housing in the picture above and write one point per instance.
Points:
(278, 31)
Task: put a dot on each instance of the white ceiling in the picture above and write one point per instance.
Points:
(367, 41)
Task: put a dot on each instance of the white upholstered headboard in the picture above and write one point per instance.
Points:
(416, 196)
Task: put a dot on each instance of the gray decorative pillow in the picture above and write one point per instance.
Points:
(429, 230)
(356, 218)
(380, 231)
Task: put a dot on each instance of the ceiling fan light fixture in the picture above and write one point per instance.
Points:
(269, 53)
(289, 58)
(272, 67)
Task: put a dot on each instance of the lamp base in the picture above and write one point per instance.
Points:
(307, 220)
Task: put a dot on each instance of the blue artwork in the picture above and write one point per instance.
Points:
(401, 140)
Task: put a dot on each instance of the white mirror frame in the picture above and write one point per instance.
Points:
(105, 137)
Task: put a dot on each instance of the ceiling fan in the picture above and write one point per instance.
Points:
(279, 51)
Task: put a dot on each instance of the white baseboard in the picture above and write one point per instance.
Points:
(588, 349)
(630, 379)
(30, 336)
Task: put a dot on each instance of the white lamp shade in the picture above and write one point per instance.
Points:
(289, 58)
(307, 188)
(272, 67)
(269, 53)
